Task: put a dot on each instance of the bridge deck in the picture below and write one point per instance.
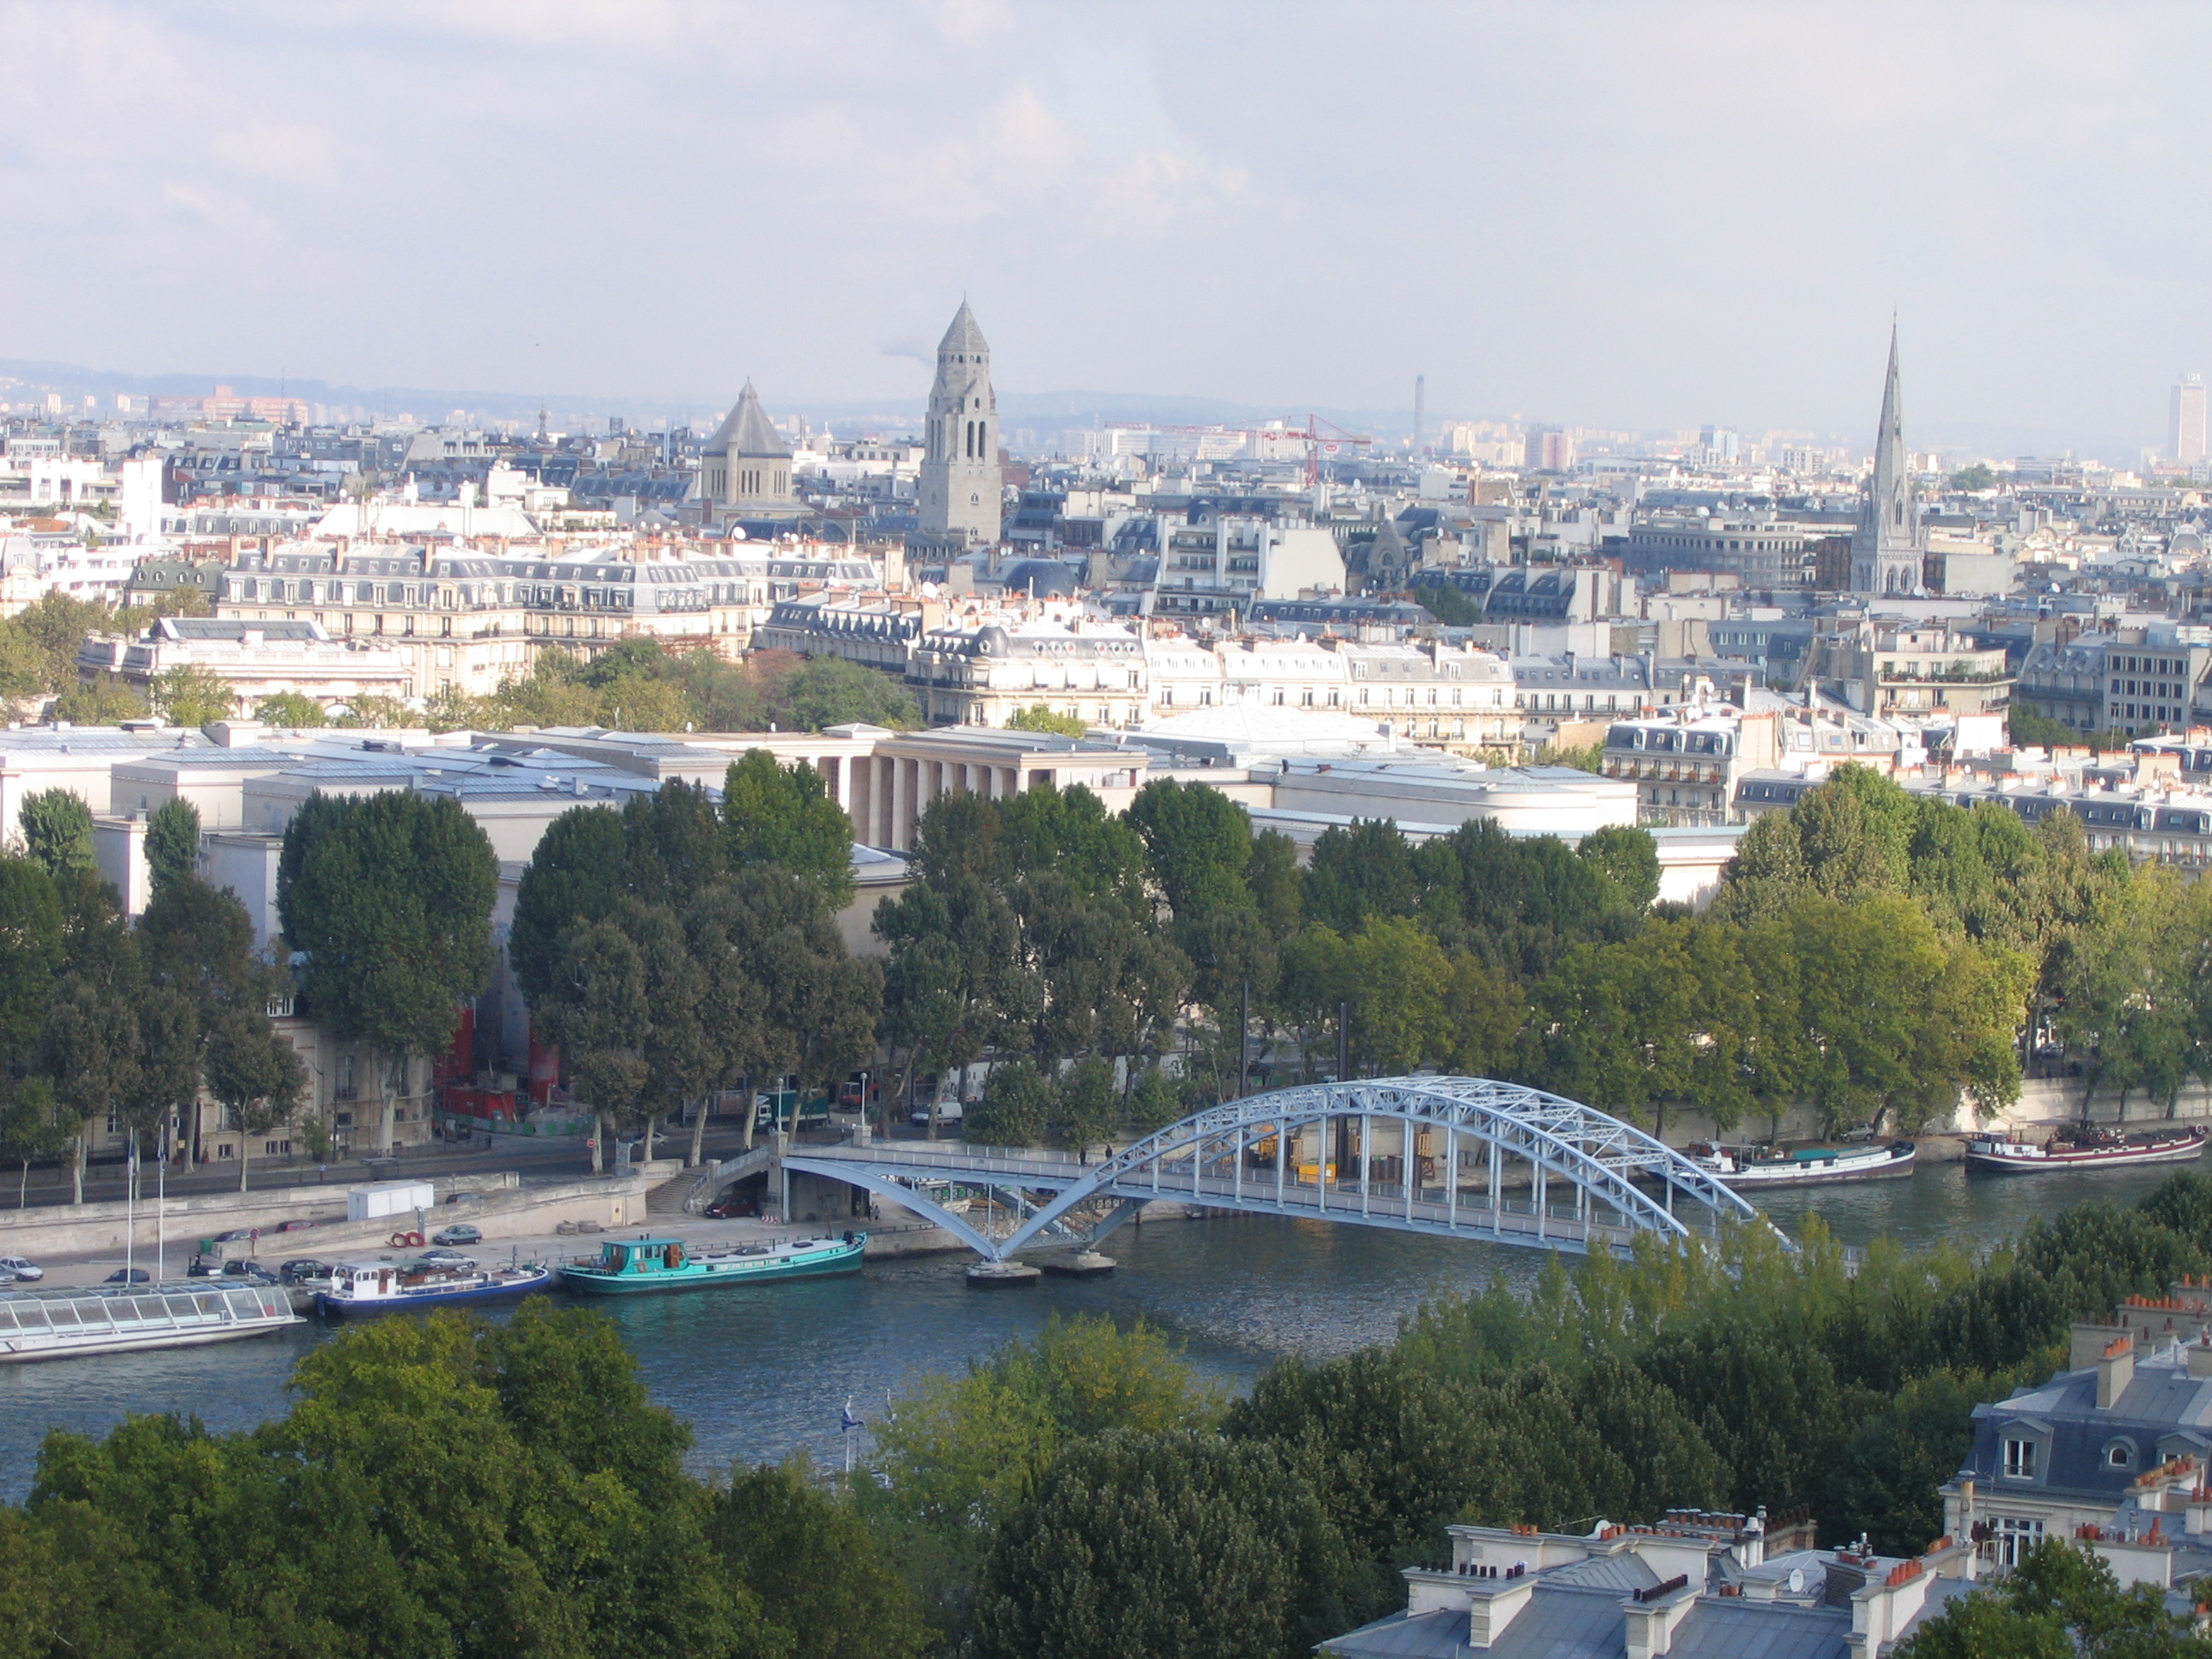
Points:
(1465, 1214)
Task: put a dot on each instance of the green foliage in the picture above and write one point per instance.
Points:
(826, 691)
(173, 842)
(1453, 606)
(2060, 1602)
(389, 896)
(58, 832)
(1019, 1101)
(540, 1508)
(810, 1556)
(2030, 728)
(1978, 476)
(376, 712)
(1582, 757)
(38, 644)
(31, 953)
(292, 708)
(103, 700)
(783, 815)
(1142, 1545)
(189, 695)
(1040, 717)
(961, 1454)
(1629, 856)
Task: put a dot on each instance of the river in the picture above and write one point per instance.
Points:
(757, 1372)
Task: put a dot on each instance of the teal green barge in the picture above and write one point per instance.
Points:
(642, 1266)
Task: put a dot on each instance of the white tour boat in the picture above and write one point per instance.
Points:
(375, 1287)
(58, 1327)
(1759, 1166)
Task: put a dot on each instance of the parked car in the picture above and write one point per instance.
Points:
(129, 1276)
(948, 1111)
(298, 1224)
(723, 1208)
(16, 1268)
(234, 1236)
(300, 1269)
(252, 1272)
(460, 1232)
(448, 1259)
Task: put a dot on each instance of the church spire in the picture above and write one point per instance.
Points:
(1886, 552)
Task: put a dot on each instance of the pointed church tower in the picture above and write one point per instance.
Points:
(960, 474)
(1888, 548)
(745, 466)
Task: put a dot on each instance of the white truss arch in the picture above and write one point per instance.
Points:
(1419, 1140)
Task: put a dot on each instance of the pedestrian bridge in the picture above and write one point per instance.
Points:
(1452, 1156)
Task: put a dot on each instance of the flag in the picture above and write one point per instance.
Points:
(849, 1422)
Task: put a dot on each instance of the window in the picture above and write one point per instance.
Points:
(344, 1089)
(2015, 1536)
(2118, 1455)
(2020, 1460)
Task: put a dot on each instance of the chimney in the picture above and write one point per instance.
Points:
(2085, 1342)
(2116, 1369)
(1650, 1617)
(2200, 1355)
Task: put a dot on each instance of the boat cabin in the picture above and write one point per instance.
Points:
(643, 1255)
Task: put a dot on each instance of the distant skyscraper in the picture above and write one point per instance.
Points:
(960, 473)
(2185, 442)
(1888, 548)
(1420, 408)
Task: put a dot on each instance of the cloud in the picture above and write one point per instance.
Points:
(1616, 214)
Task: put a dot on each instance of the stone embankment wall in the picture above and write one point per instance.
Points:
(503, 1208)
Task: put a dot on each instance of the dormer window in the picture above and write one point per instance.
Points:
(2119, 1455)
(2020, 1460)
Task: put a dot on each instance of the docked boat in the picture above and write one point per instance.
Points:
(1757, 1166)
(646, 1266)
(2085, 1146)
(52, 1326)
(375, 1287)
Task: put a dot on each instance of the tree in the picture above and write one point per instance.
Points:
(58, 832)
(780, 1533)
(103, 700)
(189, 695)
(172, 844)
(597, 1009)
(1973, 479)
(389, 898)
(291, 709)
(826, 691)
(1018, 1102)
(256, 1076)
(1628, 856)
(88, 1051)
(31, 1127)
(1454, 607)
(374, 711)
(2062, 1599)
(783, 815)
(577, 873)
(31, 954)
(1088, 1104)
(1176, 1543)
(1040, 717)
(1198, 846)
(961, 1454)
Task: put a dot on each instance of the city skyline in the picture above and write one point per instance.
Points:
(1609, 217)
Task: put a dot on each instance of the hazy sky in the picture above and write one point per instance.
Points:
(1642, 214)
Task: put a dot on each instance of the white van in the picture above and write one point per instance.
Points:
(948, 1111)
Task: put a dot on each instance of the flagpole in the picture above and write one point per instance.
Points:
(161, 1216)
(130, 1207)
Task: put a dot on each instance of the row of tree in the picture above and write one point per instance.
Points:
(103, 1025)
(674, 947)
(1871, 953)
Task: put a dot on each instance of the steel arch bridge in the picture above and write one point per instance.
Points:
(1444, 1156)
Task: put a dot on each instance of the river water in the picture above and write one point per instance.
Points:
(757, 1372)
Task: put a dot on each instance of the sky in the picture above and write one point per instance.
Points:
(1640, 216)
